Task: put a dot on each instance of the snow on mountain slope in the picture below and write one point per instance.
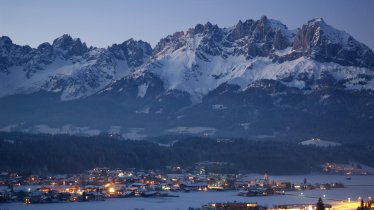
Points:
(178, 74)
(184, 70)
(257, 78)
(69, 67)
(195, 61)
(199, 60)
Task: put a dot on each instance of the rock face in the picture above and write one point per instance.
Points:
(256, 79)
(264, 36)
(69, 46)
(11, 54)
(323, 43)
(134, 52)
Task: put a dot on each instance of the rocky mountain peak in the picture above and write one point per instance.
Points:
(264, 35)
(12, 54)
(311, 34)
(242, 29)
(207, 28)
(324, 43)
(199, 28)
(264, 23)
(5, 41)
(63, 40)
(134, 52)
(70, 46)
(210, 27)
(316, 21)
(259, 30)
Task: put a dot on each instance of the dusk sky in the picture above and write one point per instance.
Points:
(102, 23)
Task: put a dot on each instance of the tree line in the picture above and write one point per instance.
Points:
(43, 153)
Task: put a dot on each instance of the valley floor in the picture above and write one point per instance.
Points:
(359, 186)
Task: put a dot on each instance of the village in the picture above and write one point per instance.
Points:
(100, 184)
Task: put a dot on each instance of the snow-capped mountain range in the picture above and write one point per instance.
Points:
(67, 66)
(188, 71)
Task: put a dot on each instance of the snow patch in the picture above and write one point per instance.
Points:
(218, 107)
(192, 130)
(320, 143)
(245, 125)
(142, 90)
(114, 130)
(134, 134)
(66, 129)
(324, 98)
(10, 128)
(145, 110)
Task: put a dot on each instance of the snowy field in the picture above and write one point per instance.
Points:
(359, 186)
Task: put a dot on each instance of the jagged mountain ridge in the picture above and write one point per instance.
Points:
(206, 54)
(67, 66)
(257, 78)
(199, 60)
